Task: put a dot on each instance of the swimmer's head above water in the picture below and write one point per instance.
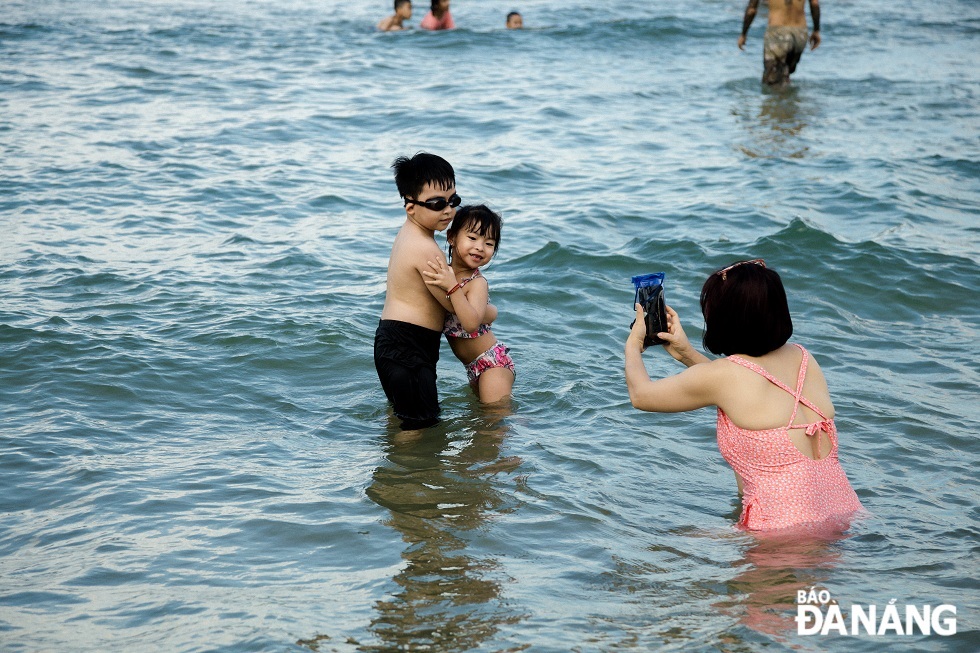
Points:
(439, 7)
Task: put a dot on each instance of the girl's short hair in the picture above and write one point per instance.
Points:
(485, 222)
(745, 310)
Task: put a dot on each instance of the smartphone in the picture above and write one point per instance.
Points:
(650, 295)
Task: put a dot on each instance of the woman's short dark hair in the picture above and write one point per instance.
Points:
(485, 222)
(745, 311)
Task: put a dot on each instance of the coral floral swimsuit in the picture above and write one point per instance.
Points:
(782, 486)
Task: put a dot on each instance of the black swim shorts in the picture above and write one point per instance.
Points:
(405, 356)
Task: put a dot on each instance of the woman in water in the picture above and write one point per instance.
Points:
(775, 418)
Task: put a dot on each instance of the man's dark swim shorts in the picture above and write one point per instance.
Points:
(405, 356)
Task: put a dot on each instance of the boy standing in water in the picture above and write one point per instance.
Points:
(403, 11)
(785, 38)
(406, 344)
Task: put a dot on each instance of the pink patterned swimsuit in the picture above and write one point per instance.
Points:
(452, 326)
(496, 356)
(782, 486)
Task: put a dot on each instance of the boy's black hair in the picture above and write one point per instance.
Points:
(512, 14)
(485, 222)
(399, 3)
(745, 312)
(411, 174)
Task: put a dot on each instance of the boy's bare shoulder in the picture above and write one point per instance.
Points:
(414, 248)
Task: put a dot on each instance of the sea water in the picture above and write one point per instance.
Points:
(196, 210)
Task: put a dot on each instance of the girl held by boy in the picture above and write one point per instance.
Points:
(473, 239)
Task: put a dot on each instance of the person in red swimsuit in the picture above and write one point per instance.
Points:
(438, 17)
(775, 417)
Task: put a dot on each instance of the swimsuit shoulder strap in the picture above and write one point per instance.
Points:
(797, 394)
(800, 399)
(758, 369)
(463, 282)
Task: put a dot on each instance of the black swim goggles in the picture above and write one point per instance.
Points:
(438, 203)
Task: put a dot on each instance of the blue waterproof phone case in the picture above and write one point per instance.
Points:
(650, 295)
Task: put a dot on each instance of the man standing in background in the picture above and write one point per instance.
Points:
(785, 38)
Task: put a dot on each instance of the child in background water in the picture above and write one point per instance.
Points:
(473, 237)
(775, 418)
(438, 17)
(395, 22)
